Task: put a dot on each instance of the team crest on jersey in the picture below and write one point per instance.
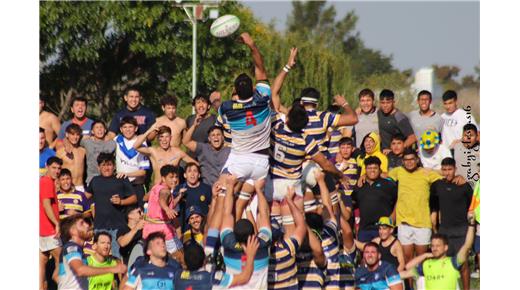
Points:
(202, 198)
(185, 275)
(75, 201)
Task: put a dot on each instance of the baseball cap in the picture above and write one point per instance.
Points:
(193, 210)
(429, 139)
(386, 221)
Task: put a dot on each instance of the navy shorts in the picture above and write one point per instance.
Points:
(366, 236)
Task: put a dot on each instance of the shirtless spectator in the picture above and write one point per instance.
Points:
(73, 155)
(212, 155)
(94, 144)
(45, 152)
(50, 123)
(170, 119)
(163, 154)
(144, 116)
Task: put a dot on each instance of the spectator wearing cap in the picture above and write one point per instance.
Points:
(201, 105)
(431, 150)
(389, 246)
(194, 219)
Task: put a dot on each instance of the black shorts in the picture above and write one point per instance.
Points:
(456, 238)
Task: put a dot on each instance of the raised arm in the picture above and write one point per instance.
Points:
(317, 250)
(278, 82)
(187, 139)
(143, 137)
(462, 255)
(186, 158)
(263, 218)
(348, 117)
(228, 220)
(250, 250)
(260, 73)
(328, 213)
(327, 166)
(82, 270)
(299, 221)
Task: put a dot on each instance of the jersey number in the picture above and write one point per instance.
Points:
(250, 118)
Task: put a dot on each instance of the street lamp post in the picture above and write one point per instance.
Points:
(193, 16)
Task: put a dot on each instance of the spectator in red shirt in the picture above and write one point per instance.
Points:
(50, 243)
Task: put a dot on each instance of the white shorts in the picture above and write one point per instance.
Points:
(173, 245)
(258, 281)
(276, 188)
(49, 243)
(308, 179)
(247, 166)
(409, 235)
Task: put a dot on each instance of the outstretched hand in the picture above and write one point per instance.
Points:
(246, 39)
(292, 57)
(251, 246)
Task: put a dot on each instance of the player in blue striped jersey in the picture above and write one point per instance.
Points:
(282, 261)
(249, 119)
(233, 237)
(200, 275)
(156, 271)
(73, 270)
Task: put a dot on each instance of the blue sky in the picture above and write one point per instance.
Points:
(416, 34)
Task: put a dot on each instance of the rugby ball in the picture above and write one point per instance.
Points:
(225, 25)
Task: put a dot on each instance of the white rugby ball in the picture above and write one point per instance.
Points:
(225, 25)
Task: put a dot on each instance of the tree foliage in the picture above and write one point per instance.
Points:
(98, 49)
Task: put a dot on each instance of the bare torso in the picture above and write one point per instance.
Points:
(51, 124)
(177, 125)
(75, 164)
(159, 158)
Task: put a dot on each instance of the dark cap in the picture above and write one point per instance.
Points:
(193, 210)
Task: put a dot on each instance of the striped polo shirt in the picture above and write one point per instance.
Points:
(75, 200)
(289, 150)
(319, 123)
(226, 128)
(282, 265)
(330, 245)
(310, 276)
(350, 169)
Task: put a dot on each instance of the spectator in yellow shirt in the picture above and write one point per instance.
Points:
(195, 218)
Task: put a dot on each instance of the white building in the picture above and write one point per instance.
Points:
(425, 80)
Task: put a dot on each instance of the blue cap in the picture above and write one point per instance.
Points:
(193, 210)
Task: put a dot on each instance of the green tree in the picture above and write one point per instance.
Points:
(314, 20)
(97, 49)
